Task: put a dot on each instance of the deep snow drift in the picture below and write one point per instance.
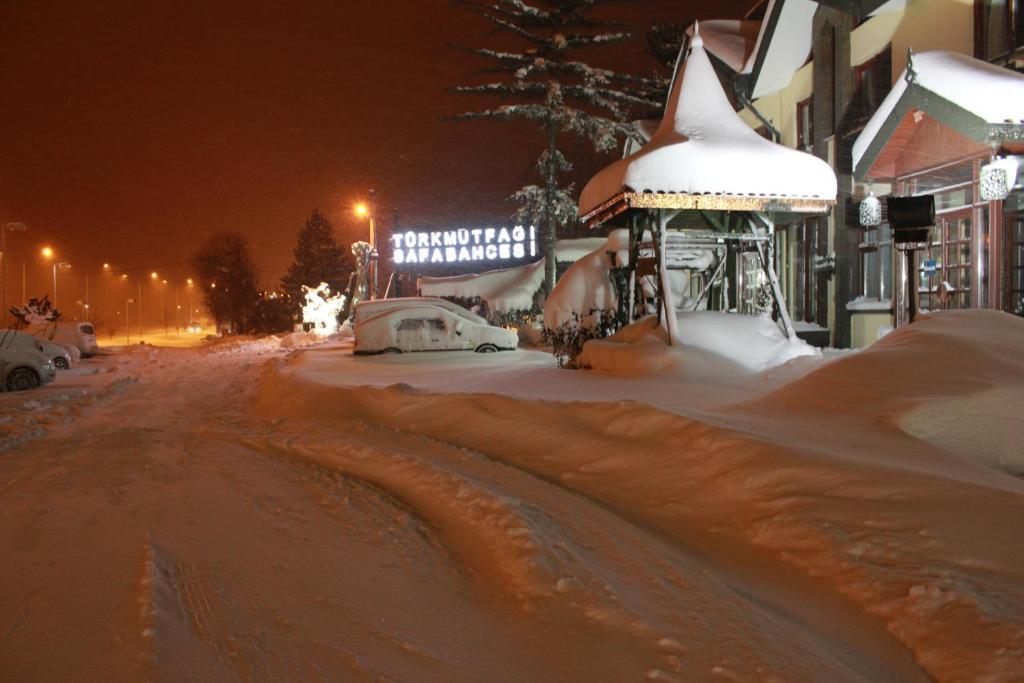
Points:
(709, 343)
(310, 514)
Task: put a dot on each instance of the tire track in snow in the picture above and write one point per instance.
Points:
(725, 494)
(554, 552)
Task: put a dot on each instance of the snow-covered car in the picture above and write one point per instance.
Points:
(81, 335)
(22, 341)
(23, 370)
(369, 309)
(428, 328)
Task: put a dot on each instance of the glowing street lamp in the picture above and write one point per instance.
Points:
(365, 210)
(47, 252)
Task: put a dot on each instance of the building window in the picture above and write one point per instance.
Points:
(876, 263)
(1015, 276)
(946, 273)
(952, 270)
(998, 28)
(872, 81)
(805, 124)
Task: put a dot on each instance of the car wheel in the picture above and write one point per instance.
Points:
(22, 379)
(61, 363)
(487, 348)
(392, 349)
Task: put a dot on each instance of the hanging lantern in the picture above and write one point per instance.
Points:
(870, 211)
(997, 178)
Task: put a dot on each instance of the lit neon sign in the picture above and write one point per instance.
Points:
(464, 245)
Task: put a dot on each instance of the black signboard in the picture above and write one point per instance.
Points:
(911, 218)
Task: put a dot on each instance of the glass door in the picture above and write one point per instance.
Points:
(1015, 259)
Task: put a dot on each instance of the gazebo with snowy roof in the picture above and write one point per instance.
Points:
(703, 164)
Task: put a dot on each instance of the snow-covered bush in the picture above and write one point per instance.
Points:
(585, 303)
(515, 317)
(567, 339)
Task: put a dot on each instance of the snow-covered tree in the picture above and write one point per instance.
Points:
(318, 258)
(544, 84)
(663, 44)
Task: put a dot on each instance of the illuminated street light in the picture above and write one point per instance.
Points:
(47, 252)
(153, 275)
(365, 210)
(106, 266)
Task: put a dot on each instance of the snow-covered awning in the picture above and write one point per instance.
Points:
(783, 46)
(982, 102)
(786, 36)
(703, 156)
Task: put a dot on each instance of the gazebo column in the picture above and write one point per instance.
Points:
(752, 220)
(665, 303)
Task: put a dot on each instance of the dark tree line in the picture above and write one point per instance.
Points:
(227, 275)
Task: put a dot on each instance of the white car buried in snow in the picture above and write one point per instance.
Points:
(421, 326)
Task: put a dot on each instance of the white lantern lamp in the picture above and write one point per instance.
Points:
(998, 178)
(870, 213)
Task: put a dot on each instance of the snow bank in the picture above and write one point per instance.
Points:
(747, 343)
(752, 342)
(246, 345)
(507, 289)
(586, 287)
(808, 499)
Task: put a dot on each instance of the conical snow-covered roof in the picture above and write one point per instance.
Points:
(703, 156)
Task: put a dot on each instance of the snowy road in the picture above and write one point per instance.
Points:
(225, 517)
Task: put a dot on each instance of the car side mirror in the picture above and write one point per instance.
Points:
(458, 329)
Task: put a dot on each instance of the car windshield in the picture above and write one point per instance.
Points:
(87, 329)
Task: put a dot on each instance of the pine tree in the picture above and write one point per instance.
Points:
(318, 259)
(664, 41)
(557, 93)
(225, 263)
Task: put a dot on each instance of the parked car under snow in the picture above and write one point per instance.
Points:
(24, 370)
(421, 326)
(23, 341)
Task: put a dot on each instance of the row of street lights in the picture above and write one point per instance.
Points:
(48, 253)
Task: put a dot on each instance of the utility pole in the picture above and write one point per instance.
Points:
(140, 309)
(3, 260)
(373, 244)
(127, 327)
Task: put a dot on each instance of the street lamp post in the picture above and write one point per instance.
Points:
(140, 309)
(62, 265)
(163, 308)
(127, 328)
(369, 211)
(189, 321)
(3, 258)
